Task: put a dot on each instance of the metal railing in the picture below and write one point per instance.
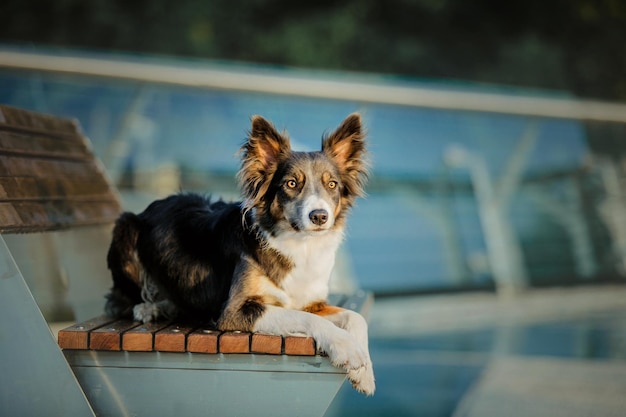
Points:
(356, 87)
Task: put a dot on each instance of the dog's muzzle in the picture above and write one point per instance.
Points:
(318, 217)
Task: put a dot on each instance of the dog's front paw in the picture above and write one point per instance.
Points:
(362, 379)
(344, 352)
(145, 312)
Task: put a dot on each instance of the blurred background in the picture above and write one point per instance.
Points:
(494, 231)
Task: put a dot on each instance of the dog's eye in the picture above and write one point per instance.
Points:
(292, 184)
(332, 185)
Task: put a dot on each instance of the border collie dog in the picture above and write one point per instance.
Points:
(260, 265)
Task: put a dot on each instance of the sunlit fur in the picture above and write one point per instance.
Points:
(262, 264)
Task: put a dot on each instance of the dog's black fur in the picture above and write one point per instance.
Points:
(178, 238)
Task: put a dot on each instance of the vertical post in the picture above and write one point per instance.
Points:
(503, 249)
(450, 232)
(569, 214)
(505, 255)
(612, 209)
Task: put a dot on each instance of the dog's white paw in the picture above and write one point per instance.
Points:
(145, 312)
(344, 352)
(362, 379)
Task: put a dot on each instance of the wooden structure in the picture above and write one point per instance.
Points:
(49, 181)
(49, 178)
(106, 334)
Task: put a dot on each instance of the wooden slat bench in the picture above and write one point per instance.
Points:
(50, 180)
(242, 373)
(106, 334)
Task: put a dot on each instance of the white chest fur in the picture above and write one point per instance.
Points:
(313, 256)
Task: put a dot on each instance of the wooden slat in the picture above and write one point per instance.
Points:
(19, 118)
(141, 338)
(24, 166)
(77, 336)
(28, 144)
(10, 218)
(109, 337)
(203, 341)
(299, 345)
(21, 217)
(27, 188)
(172, 338)
(234, 342)
(266, 343)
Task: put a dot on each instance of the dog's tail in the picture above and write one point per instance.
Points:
(126, 269)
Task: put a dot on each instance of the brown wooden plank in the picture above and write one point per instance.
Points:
(234, 342)
(266, 343)
(25, 188)
(10, 218)
(20, 217)
(19, 118)
(84, 171)
(172, 338)
(141, 338)
(299, 345)
(77, 336)
(41, 145)
(203, 341)
(109, 337)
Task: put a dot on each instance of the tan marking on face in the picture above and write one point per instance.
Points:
(338, 208)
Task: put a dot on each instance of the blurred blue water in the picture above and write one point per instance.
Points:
(427, 375)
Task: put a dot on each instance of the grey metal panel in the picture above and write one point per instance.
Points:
(201, 361)
(82, 255)
(167, 384)
(65, 270)
(35, 379)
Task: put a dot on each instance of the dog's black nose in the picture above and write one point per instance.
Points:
(318, 217)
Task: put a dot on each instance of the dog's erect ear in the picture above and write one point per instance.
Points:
(346, 142)
(346, 146)
(259, 160)
(265, 143)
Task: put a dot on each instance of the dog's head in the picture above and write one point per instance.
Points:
(302, 191)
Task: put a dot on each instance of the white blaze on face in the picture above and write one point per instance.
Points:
(314, 203)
